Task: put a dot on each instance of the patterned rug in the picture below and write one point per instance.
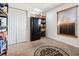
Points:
(50, 51)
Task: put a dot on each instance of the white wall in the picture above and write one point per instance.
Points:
(51, 29)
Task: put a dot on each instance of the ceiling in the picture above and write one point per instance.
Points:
(31, 6)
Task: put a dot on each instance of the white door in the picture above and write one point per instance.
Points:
(12, 26)
(21, 26)
(16, 26)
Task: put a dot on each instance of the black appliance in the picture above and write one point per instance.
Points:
(34, 29)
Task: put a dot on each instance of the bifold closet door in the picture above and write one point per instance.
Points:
(12, 25)
(21, 26)
(16, 26)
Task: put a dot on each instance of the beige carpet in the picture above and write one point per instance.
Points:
(28, 48)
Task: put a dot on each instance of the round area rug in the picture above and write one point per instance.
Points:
(50, 51)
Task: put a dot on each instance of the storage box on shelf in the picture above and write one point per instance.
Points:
(3, 43)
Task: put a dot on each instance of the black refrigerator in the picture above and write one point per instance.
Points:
(34, 29)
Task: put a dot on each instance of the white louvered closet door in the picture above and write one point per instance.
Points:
(16, 26)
